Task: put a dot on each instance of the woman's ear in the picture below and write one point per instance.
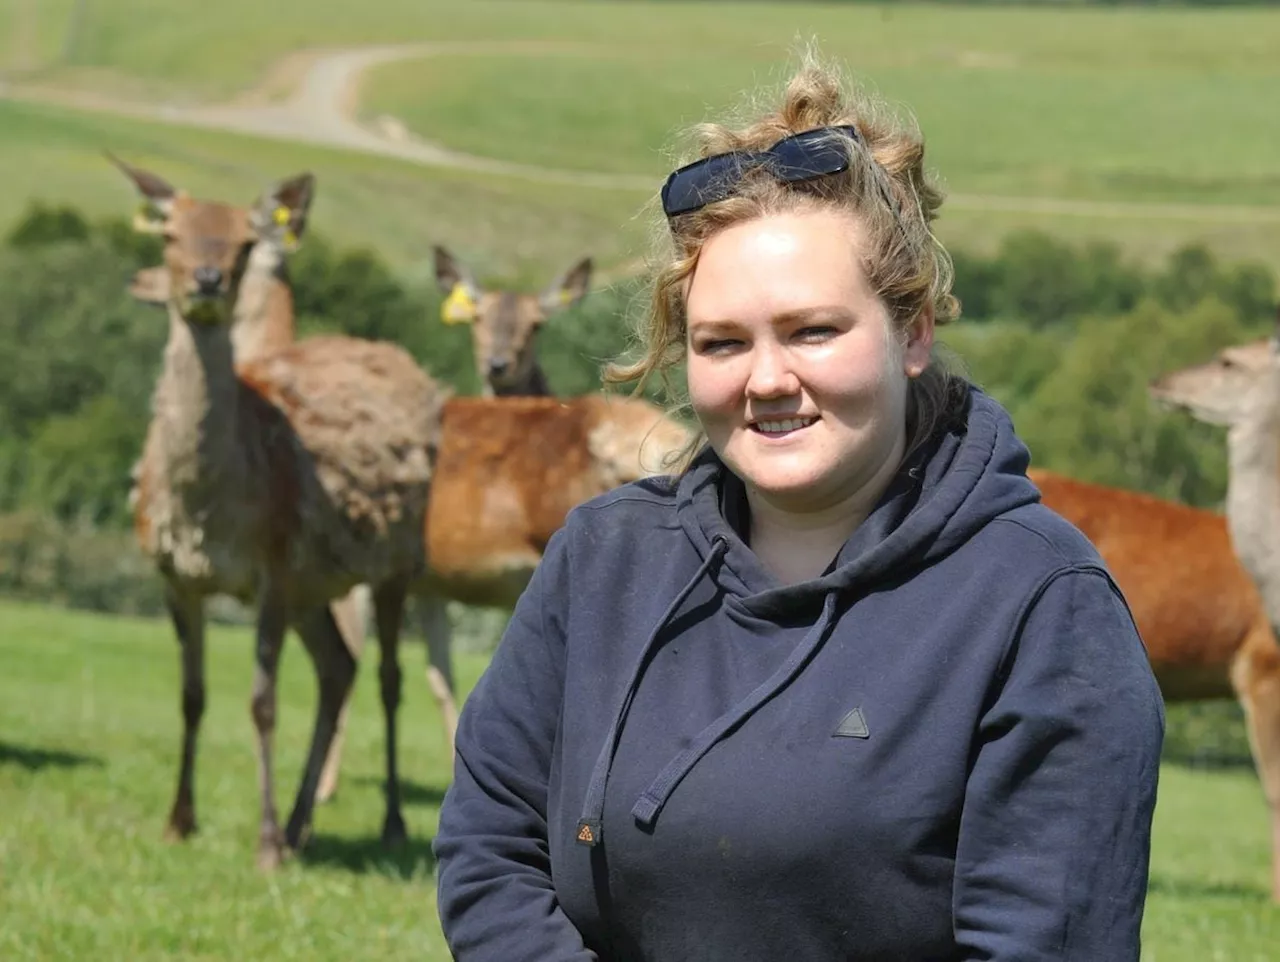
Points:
(915, 355)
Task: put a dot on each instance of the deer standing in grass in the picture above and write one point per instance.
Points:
(504, 328)
(509, 471)
(262, 322)
(1240, 390)
(284, 481)
(505, 324)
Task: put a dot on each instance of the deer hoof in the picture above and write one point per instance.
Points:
(394, 833)
(271, 851)
(182, 824)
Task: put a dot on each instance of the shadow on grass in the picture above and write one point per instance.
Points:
(1198, 889)
(411, 792)
(36, 759)
(368, 856)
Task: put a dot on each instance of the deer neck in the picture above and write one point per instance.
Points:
(533, 384)
(195, 409)
(1253, 488)
(264, 306)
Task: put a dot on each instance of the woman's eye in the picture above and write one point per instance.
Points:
(717, 345)
(815, 333)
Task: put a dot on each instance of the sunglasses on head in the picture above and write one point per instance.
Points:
(799, 157)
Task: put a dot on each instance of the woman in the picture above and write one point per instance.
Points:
(840, 690)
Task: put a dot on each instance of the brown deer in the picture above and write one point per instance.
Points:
(284, 481)
(509, 470)
(504, 324)
(1240, 390)
(262, 322)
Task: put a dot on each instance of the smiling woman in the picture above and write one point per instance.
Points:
(841, 688)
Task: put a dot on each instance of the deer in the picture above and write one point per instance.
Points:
(504, 324)
(508, 472)
(262, 322)
(283, 480)
(1239, 389)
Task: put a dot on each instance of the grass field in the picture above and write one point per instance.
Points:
(398, 209)
(1149, 127)
(88, 741)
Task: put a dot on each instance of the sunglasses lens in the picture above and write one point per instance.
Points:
(803, 156)
(811, 154)
(702, 182)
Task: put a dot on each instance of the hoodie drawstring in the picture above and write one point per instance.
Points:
(589, 829)
(655, 796)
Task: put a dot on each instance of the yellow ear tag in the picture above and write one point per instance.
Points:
(148, 219)
(458, 307)
(280, 215)
(565, 297)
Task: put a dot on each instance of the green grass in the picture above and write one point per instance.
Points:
(1011, 120)
(89, 729)
(88, 740)
(397, 208)
(215, 49)
(1113, 106)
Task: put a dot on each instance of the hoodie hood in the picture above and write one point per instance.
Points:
(970, 471)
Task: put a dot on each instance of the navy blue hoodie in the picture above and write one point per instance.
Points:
(943, 748)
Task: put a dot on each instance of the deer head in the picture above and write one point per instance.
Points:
(1220, 391)
(504, 324)
(207, 244)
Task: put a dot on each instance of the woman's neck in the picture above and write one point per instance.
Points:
(798, 545)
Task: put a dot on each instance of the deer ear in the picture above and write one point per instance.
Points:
(150, 286)
(280, 213)
(157, 196)
(567, 289)
(455, 279)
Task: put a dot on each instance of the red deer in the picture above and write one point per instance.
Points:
(504, 324)
(284, 481)
(262, 322)
(1206, 631)
(508, 472)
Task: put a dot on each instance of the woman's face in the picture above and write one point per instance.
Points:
(794, 368)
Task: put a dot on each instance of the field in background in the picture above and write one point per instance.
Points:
(394, 207)
(1059, 119)
(89, 729)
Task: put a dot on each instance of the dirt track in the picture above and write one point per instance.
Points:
(321, 110)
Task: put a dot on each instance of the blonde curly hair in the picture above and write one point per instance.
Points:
(885, 188)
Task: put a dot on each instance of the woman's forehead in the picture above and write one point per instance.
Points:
(780, 263)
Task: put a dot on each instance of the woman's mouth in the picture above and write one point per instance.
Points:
(780, 427)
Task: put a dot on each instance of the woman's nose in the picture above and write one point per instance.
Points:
(771, 373)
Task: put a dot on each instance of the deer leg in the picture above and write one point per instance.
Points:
(272, 619)
(388, 606)
(433, 619)
(1256, 675)
(335, 670)
(187, 613)
(349, 612)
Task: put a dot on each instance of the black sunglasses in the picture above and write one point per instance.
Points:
(800, 157)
